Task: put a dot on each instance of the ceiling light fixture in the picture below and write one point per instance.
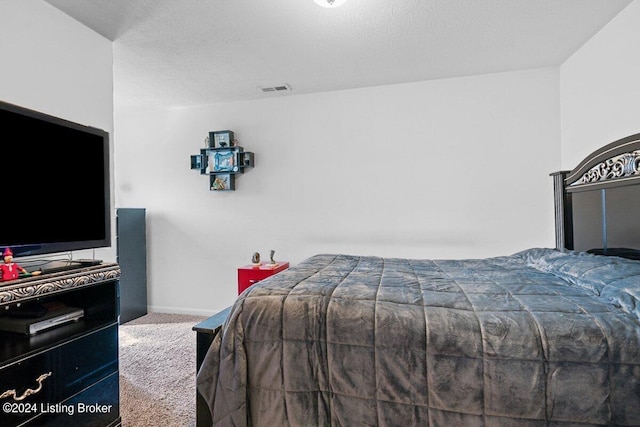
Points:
(330, 3)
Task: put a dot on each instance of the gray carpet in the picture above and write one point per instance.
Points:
(157, 371)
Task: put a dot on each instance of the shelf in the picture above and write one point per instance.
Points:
(99, 303)
(222, 163)
(222, 182)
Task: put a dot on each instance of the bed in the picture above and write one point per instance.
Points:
(543, 337)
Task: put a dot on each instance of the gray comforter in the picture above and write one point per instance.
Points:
(540, 338)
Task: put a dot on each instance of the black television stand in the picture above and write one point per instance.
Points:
(70, 366)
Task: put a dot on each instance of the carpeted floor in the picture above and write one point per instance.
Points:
(157, 371)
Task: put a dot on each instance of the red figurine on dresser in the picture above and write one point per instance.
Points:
(10, 270)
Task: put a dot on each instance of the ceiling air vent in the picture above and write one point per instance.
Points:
(279, 88)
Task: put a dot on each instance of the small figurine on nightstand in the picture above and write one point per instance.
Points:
(10, 270)
(255, 259)
(273, 262)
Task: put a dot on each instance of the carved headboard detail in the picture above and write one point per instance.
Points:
(622, 166)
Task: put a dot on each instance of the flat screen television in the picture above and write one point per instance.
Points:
(55, 176)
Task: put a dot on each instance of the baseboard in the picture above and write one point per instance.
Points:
(181, 310)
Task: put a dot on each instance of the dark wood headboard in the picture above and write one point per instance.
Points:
(597, 204)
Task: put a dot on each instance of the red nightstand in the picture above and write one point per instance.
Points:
(250, 274)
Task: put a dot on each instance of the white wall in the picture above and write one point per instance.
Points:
(415, 170)
(600, 88)
(451, 168)
(53, 64)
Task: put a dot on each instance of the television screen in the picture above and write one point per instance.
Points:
(56, 184)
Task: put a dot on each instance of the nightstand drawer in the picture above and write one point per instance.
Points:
(73, 366)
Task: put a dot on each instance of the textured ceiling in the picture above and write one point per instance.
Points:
(172, 53)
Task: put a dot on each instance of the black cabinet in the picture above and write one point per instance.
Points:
(131, 246)
(68, 374)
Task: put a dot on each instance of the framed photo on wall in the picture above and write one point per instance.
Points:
(225, 161)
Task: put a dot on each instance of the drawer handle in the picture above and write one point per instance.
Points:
(27, 392)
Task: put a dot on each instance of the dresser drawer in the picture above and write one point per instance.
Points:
(73, 366)
(82, 411)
